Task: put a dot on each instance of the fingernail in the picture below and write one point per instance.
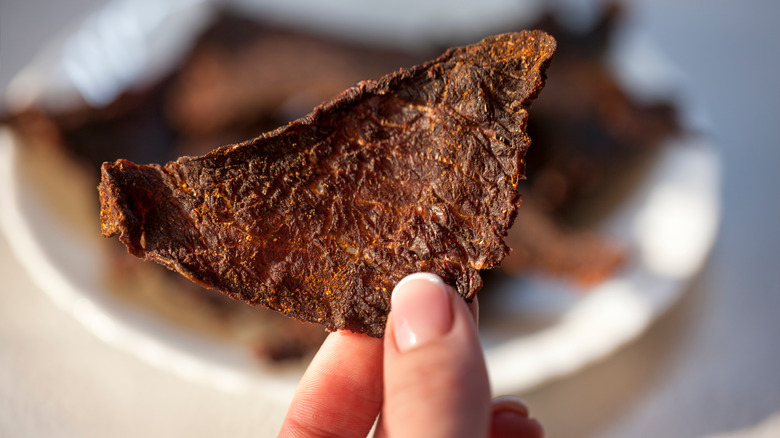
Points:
(510, 418)
(510, 403)
(421, 310)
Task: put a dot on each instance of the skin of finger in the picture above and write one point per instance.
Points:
(506, 425)
(340, 395)
(474, 309)
(439, 389)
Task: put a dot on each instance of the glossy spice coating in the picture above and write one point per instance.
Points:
(319, 219)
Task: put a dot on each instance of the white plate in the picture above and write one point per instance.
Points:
(670, 223)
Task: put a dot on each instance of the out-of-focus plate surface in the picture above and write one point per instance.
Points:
(669, 223)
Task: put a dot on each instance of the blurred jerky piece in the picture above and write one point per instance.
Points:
(590, 126)
(131, 126)
(594, 136)
(240, 78)
(243, 76)
(540, 244)
(417, 171)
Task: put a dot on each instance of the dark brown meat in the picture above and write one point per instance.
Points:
(319, 219)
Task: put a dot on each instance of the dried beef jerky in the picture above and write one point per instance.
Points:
(319, 219)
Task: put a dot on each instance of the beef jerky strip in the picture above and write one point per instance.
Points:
(416, 171)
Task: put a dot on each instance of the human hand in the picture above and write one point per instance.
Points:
(427, 377)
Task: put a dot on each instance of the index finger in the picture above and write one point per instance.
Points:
(340, 395)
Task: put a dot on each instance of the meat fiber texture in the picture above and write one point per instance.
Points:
(319, 219)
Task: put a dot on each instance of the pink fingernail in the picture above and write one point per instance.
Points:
(421, 310)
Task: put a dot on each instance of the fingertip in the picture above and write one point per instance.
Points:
(440, 384)
(510, 417)
(421, 308)
(507, 425)
(425, 277)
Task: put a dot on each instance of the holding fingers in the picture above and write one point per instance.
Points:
(427, 377)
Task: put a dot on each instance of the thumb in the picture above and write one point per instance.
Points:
(436, 383)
